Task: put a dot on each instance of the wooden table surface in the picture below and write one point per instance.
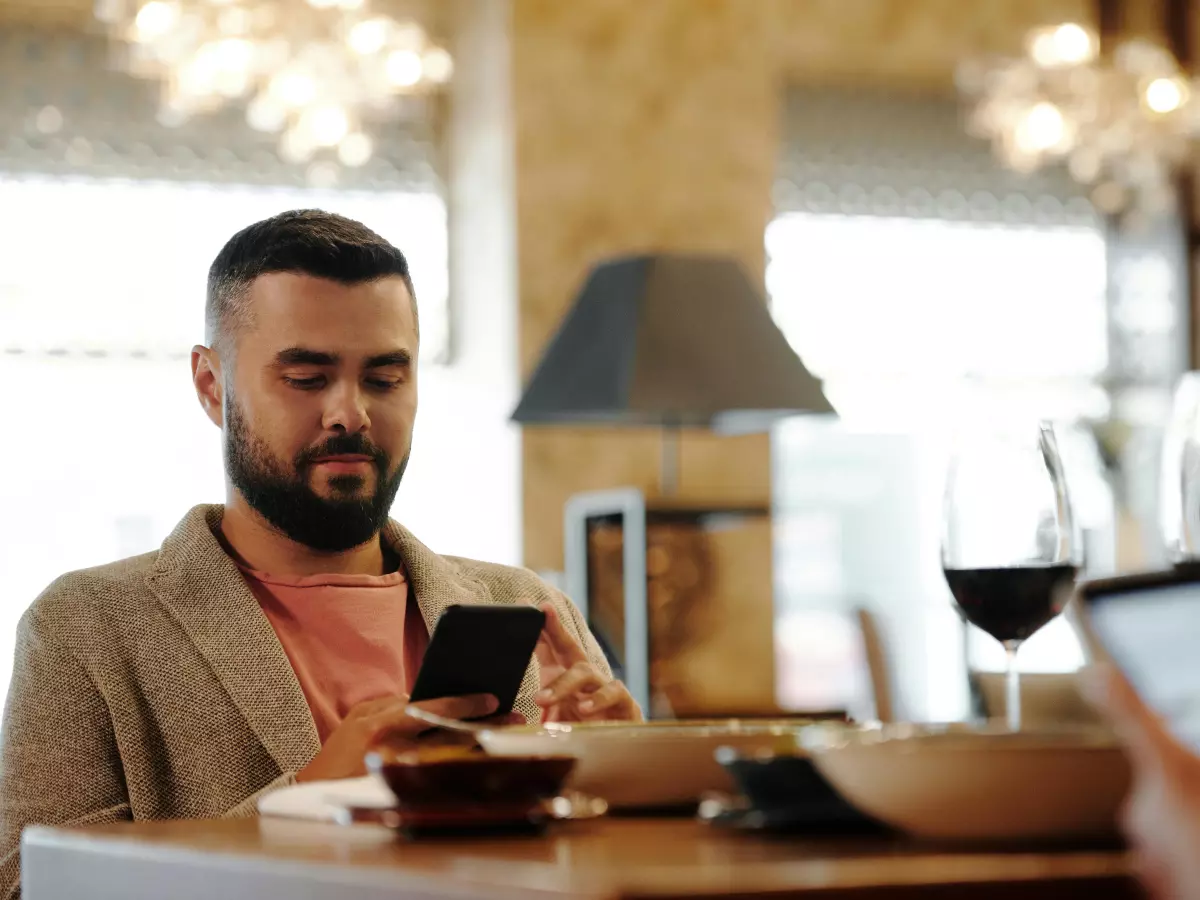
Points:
(608, 858)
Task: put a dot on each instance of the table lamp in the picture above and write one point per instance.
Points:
(674, 341)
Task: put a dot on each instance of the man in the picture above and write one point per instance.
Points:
(274, 639)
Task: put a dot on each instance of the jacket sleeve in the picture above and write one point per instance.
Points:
(59, 763)
(248, 808)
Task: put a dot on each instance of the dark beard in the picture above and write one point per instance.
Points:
(285, 499)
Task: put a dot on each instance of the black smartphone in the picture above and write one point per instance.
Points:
(479, 650)
(1148, 625)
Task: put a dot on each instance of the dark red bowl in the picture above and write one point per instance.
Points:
(456, 779)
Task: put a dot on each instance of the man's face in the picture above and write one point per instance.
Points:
(319, 405)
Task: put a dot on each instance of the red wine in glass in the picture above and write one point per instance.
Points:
(1010, 549)
(1011, 603)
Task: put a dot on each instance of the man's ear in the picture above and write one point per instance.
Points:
(206, 377)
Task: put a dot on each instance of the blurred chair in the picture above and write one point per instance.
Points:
(877, 664)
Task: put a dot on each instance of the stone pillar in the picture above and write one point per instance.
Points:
(639, 127)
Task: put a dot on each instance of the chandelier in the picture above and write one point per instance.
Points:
(1122, 123)
(315, 72)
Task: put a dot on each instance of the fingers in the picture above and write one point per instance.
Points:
(614, 697)
(394, 721)
(544, 653)
(440, 737)
(368, 708)
(580, 678)
(559, 640)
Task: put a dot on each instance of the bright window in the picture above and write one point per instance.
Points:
(909, 322)
(120, 266)
(893, 313)
(101, 299)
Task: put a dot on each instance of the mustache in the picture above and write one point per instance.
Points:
(344, 445)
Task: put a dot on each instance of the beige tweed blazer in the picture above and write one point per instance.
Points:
(155, 688)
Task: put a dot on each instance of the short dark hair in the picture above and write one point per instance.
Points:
(307, 241)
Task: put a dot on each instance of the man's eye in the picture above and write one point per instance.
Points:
(383, 384)
(309, 383)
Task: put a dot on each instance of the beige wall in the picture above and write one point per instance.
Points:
(889, 41)
(639, 126)
(652, 125)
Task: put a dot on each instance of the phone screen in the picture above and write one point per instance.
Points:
(479, 650)
(1153, 635)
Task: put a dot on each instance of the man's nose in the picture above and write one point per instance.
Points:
(346, 410)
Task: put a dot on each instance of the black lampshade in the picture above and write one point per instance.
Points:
(669, 340)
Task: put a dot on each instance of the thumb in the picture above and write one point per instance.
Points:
(544, 653)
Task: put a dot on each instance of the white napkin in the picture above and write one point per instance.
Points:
(325, 801)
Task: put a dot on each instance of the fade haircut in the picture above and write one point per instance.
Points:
(306, 241)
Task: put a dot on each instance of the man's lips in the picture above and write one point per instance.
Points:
(349, 464)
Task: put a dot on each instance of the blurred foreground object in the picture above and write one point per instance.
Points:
(1179, 481)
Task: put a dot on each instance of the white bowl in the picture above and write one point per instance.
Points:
(972, 784)
(649, 764)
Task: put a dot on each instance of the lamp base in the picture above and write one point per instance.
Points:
(671, 449)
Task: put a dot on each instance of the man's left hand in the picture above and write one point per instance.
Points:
(577, 691)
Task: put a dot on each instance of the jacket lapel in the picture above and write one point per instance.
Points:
(197, 581)
(433, 580)
(205, 592)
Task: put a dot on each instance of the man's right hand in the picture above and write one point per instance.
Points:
(384, 720)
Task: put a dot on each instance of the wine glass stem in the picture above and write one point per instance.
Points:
(1012, 702)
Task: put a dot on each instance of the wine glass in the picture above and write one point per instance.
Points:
(1010, 548)
(1179, 481)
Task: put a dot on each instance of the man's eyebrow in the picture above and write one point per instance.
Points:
(301, 356)
(399, 358)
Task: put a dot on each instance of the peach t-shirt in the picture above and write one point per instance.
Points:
(349, 637)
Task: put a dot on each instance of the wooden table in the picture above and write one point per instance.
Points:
(609, 858)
